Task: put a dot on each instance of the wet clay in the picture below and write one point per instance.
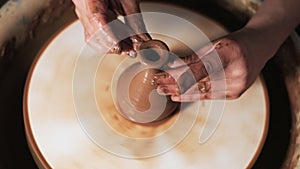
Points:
(143, 95)
(148, 105)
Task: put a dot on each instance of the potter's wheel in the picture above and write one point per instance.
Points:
(59, 138)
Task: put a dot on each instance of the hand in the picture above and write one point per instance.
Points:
(222, 70)
(95, 14)
(228, 67)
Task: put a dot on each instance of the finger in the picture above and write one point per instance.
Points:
(118, 32)
(170, 76)
(97, 6)
(97, 10)
(134, 18)
(206, 86)
(208, 64)
(205, 90)
(163, 79)
(170, 86)
(102, 29)
(85, 21)
(200, 87)
(195, 71)
(91, 6)
(171, 89)
(108, 38)
(200, 96)
(184, 76)
(127, 49)
(116, 6)
(193, 58)
(93, 15)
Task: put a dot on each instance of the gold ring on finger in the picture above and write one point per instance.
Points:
(203, 86)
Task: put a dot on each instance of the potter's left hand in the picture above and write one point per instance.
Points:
(104, 31)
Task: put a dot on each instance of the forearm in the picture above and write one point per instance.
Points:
(270, 26)
(282, 15)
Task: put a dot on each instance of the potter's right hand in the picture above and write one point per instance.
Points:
(241, 56)
(95, 14)
(223, 70)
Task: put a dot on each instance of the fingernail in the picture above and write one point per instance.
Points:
(136, 39)
(163, 91)
(175, 98)
(154, 82)
(178, 91)
(161, 75)
(132, 54)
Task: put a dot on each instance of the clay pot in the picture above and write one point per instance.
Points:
(140, 102)
(143, 95)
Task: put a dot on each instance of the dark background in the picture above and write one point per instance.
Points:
(2, 2)
(14, 151)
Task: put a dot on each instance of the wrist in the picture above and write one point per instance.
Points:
(254, 44)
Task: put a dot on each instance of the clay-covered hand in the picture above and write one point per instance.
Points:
(101, 33)
(228, 67)
(223, 69)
